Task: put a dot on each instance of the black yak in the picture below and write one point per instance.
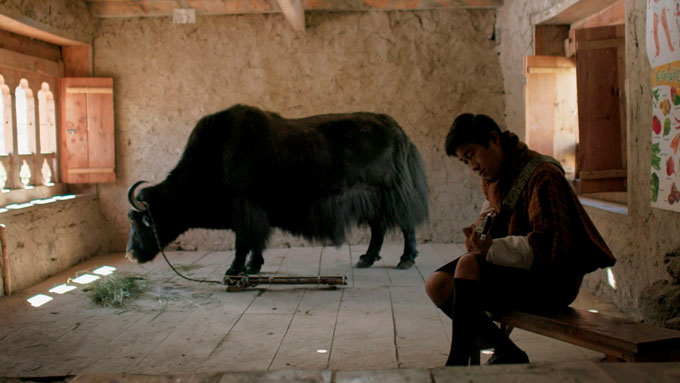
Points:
(250, 170)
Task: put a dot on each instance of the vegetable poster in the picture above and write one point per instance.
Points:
(663, 49)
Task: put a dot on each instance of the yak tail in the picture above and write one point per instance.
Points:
(421, 193)
(409, 197)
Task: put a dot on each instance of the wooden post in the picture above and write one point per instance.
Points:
(5, 262)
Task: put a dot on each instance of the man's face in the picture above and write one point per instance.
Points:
(484, 161)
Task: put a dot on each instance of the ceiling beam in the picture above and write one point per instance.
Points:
(571, 11)
(294, 12)
(139, 8)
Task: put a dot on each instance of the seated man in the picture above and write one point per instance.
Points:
(540, 244)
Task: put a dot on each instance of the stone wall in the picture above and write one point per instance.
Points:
(423, 68)
(642, 238)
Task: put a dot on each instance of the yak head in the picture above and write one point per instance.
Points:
(149, 224)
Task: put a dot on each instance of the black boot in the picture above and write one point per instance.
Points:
(464, 312)
(505, 350)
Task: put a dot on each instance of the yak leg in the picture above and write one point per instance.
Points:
(238, 264)
(252, 228)
(256, 260)
(410, 253)
(373, 252)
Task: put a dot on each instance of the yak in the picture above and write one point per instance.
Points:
(251, 170)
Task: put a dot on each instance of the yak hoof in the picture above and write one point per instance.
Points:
(254, 265)
(407, 260)
(254, 268)
(405, 264)
(234, 271)
(366, 261)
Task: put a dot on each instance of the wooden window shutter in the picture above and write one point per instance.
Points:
(600, 73)
(550, 103)
(87, 152)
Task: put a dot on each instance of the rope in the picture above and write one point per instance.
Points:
(158, 242)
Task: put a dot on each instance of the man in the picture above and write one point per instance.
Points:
(540, 244)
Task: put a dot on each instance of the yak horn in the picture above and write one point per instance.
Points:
(136, 206)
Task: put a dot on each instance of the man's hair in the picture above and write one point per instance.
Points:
(470, 129)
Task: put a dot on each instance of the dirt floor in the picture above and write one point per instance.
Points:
(381, 320)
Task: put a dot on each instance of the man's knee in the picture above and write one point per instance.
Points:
(439, 287)
(468, 267)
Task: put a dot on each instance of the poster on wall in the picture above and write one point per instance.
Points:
(663, 50)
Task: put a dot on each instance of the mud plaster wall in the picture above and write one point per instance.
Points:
(423, 68)
(46, 239)
(65, 18)
(640, 239)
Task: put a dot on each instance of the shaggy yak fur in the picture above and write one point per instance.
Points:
(250, 170)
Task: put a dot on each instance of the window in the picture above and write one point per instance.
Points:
(575, 107)
(47, 159)
(6, 132)
(30, 162)
(25, 118)
(51, 136)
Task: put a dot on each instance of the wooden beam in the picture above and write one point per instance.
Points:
(571, 11)
(612, 15)
(22, 62)
(138, 8)
(20, 28)
(294, 12)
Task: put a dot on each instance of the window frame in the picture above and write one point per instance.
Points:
(554, 35)
(36, 62)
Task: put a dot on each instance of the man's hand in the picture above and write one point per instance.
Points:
(475, 245)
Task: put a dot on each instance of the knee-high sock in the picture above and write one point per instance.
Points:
(464, 314)
(447, 307)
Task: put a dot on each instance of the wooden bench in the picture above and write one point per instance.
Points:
(619, 339)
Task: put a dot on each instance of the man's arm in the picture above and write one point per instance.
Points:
(547, 210)
(511, 251)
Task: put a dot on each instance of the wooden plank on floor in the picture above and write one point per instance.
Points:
(410, 277)
(253, 341)
(380, 376)
(40, 334)
(428, 260)
(284, 301)
(449, 251)
(300, 261)
(374, 276)
(208, 267)
(364, 334)
(75, 349)
(337, 261)
(390, 253)
(192, 341)
(420, 334)
(152, 318)
(159, 266)
(311, 330)
(281, 376)
(250, 345)
(186, 262)
(273, 258)
(136, 378)
(534, 372)
(137, 341)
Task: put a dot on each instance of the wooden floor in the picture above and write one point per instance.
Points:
(381, 320)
